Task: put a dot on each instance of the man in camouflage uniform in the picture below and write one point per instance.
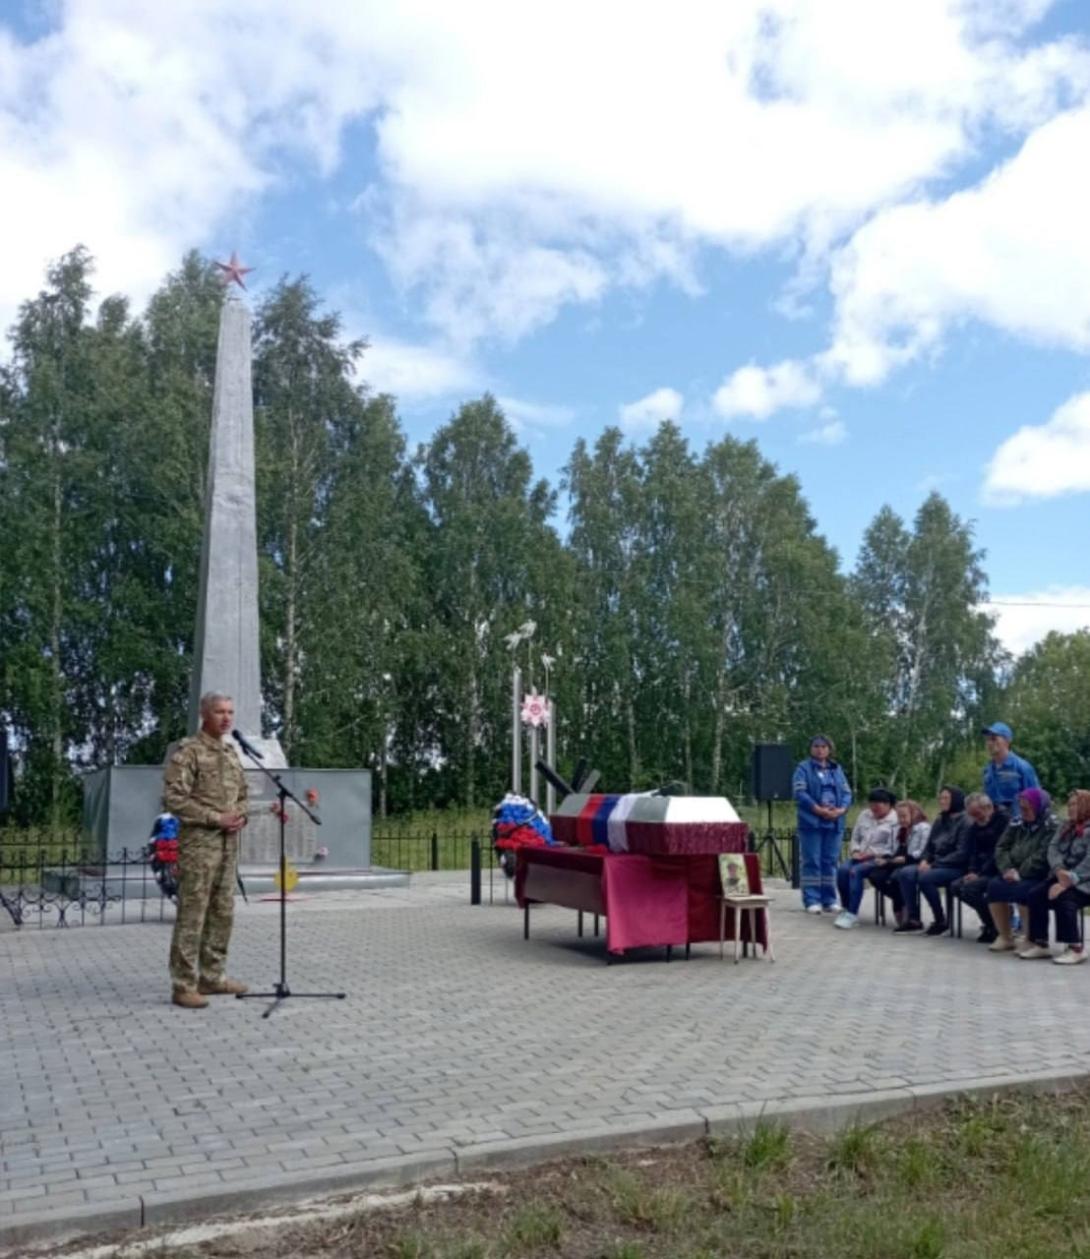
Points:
(205, 788)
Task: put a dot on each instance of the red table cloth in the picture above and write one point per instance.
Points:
(646, 900)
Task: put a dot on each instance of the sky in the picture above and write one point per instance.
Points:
(856, 232)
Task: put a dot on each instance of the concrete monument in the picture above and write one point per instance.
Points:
(122, 801)
(226, 646)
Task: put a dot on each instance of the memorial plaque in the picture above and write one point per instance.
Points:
(261, 838)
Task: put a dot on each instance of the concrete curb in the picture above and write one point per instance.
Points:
(819, 1115)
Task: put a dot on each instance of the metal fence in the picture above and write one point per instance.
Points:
(50, 886)
(401, 848)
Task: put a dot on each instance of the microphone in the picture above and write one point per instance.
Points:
(246, 745)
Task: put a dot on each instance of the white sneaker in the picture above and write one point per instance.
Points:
(1070, 957)
(846, 920)
(1034, 952)
(813, 909)
(834, 908)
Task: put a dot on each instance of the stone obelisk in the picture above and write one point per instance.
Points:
(226, 648)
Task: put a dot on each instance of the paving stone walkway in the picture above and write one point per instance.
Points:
(461, 1043)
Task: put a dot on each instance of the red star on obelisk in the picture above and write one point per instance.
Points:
(233, 270)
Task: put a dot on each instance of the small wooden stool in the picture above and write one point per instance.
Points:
(752, 905)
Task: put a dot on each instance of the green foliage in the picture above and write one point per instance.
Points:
(768, 1145)
(1048, 705)
(533, 1226)
(691, 609)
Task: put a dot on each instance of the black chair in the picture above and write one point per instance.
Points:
(953, 912)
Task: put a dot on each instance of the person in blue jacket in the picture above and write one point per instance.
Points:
(1005, 774)
(822, 795)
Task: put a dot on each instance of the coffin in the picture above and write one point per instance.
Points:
(656, 825)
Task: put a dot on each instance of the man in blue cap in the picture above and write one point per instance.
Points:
(1006, 774)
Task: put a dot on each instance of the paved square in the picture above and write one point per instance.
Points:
(458, 1037)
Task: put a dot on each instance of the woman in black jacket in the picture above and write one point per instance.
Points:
(945, 859)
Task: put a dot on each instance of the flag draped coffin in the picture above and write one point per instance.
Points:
(655, 825)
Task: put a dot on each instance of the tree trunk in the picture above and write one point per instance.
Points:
(687, 730)
(383, 777)
(291, 566)
(290, 634)
(471, 732)
(56, 613)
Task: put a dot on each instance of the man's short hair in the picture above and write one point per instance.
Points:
(975, 798)
(211, 698)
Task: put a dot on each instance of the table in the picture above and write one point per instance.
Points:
(647, 901)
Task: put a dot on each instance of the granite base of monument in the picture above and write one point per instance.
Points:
(121, 803)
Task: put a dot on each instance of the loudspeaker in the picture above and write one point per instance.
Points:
(5, 773)
(772, 770)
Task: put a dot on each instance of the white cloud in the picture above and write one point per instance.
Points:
(530, 415)
(1024, 619)
(1013, 252)
(759, 391)
(831, 434)
(415, 372)
(649, 411)
(1045, 460)
(521, 170)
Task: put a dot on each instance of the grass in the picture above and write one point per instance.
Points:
(23, 851)
(966, 1180)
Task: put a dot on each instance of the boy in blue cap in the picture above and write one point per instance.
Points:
(1006, 774)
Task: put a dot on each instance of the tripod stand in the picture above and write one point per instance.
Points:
(280, 990)
(768, 840)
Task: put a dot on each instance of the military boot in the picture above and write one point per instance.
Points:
(218, 987)
(188, 999)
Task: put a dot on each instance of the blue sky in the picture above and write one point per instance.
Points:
(856, 232)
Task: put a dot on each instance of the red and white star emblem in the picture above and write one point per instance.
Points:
(233, 270)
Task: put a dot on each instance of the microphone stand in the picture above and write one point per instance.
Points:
(280, 990)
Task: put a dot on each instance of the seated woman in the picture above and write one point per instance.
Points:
(873, 837)
(1021, 857)
(1067, 889)
(910, 841)
(945, 859)
(986, 827)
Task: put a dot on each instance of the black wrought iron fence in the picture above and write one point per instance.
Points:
(46, 885)
(401, 848)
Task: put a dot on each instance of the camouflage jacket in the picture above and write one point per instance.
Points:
(203, 779)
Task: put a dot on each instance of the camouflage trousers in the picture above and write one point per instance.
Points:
(206, 908)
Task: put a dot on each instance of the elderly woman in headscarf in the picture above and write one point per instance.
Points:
(945, 859)
(1021, 857)
(909, 842)
(1066, 891)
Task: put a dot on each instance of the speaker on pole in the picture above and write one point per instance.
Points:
(772, 769)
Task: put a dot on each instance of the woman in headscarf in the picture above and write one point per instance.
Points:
(986, 827)
(1021, 857)
(945, 859)
(910, 840)
(1067, 889)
